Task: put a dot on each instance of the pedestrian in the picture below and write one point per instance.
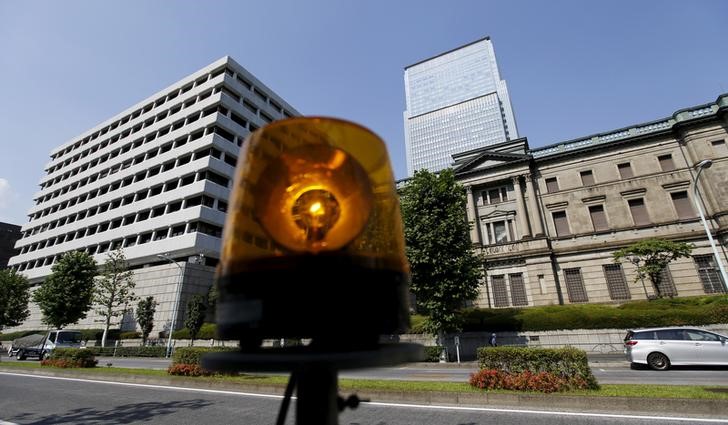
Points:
(492, 341)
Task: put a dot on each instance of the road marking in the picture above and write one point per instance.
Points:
(164, 387)
(375, 403)
(7, 423)
(546, 412)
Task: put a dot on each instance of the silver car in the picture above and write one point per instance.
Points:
(661, 348)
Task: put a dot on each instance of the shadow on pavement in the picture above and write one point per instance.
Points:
(125, 414)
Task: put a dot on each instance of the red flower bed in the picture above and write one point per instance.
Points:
(185, 369)
(491, 379)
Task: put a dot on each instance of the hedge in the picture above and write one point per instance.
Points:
(207, 331)
(70, 357)
(637, 314)
(432, 354)
(139, 351)
(567, 363)
(193, 355)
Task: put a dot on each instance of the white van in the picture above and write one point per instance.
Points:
(40, 345)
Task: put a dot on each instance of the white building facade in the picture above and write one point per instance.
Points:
(153, 180)
(456, 102)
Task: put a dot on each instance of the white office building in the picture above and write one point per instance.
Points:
(153, 180)
(456, 102)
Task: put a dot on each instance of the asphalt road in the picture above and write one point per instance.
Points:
(39, 400)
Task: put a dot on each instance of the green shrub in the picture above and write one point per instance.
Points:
(432, 354)
(11, 336)
(193, 355)
(702, 310)
(155, 351)
(207, 331)
(130, 335)
(567, 363)
(70, 357)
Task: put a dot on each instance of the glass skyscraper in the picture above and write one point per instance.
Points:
(456, 102)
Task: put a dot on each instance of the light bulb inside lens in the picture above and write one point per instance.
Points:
(316, 212)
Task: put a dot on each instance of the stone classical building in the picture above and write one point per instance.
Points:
(153, 180)
(548, 219)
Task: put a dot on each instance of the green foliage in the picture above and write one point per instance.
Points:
(193, 355)
(113, 290)
(130, 335)
(156, 351)
(10, 336)
(651, 256)
(65, 296)
(195, 315)
(695, 311)
(207, 331)
(432, 354)
(145, 316)
(71, 357)
(567, 363)
(14, 296)
(445, 270)
(212, 296)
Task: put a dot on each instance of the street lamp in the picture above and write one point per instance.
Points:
(706, 163)
(176, 301)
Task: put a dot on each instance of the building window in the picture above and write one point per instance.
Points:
(500, 292)
(575, 286)
(598, 218)
(561, 224)
(666, 162)
(625, 170)
(639, 212)
(719, 147)
(552, 185)
(495, 196)
(682, 205)
(616, 282)
(498, 231)
(665, 283)
(709, 274)
(587, 178)
(518, 289)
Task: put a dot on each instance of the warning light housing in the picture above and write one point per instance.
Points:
(313, 245)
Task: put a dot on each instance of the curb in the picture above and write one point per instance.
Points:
(529, 401)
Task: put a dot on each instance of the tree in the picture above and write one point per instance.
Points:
(445, 270)
(195, 315)
(145, 316)
(65, 296)
(14, 296)
(113, 291)
(212, 295)
(651, 256)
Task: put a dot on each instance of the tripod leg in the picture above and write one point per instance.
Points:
(317, 395)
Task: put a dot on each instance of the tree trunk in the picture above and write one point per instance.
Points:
(106, 331)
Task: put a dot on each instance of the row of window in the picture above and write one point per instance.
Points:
(138, 142)
(637, 209)
(162, 100)
(625, 172)
(131, 198)
(146, 156)
(143, 238)
(513, 293)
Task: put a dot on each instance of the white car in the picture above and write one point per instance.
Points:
(660, 348)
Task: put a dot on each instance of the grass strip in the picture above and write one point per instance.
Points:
(607, 390)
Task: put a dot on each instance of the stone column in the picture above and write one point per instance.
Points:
(523, 231)
(472, 217)
(534, 214)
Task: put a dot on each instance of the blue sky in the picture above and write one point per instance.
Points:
(573, 68)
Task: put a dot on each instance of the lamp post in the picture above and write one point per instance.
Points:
(176, 301)
(706, 163)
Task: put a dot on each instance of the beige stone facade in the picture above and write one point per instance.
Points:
(548, 219)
